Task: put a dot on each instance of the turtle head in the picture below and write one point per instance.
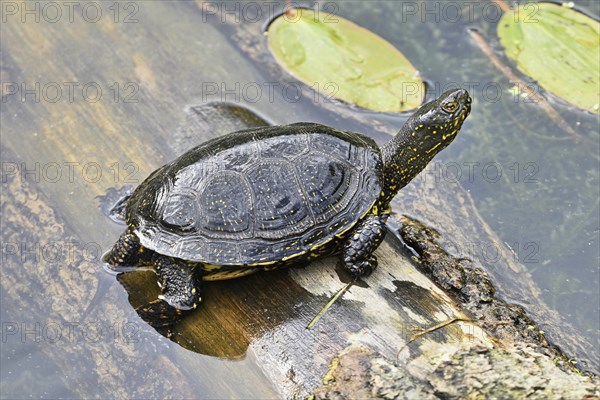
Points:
(428, 131)
(436, 123)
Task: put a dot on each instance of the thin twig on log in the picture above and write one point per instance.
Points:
(326, 307)
(435, 328)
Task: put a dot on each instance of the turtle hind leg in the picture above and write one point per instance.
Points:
(180, 283)
(125, 252)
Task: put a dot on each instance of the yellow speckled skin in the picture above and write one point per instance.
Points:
(426, 133)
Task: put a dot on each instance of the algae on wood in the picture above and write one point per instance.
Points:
(473, 372)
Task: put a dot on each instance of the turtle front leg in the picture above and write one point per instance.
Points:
(180, 284)
(357, 253)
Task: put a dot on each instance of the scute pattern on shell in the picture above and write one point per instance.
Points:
(258, 195)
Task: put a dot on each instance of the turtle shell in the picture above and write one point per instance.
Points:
(258, 196)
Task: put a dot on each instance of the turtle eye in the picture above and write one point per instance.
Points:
(450, 106)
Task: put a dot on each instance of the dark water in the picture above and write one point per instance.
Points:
(537, 188)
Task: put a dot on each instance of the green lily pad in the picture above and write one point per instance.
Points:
(558, 47)
(340, 59)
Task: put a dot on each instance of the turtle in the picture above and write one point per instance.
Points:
(273, 197)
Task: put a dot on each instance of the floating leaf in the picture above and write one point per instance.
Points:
(340, 59)
(558, 47)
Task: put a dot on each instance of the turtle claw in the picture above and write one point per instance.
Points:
(362, 268)
(160, 314)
